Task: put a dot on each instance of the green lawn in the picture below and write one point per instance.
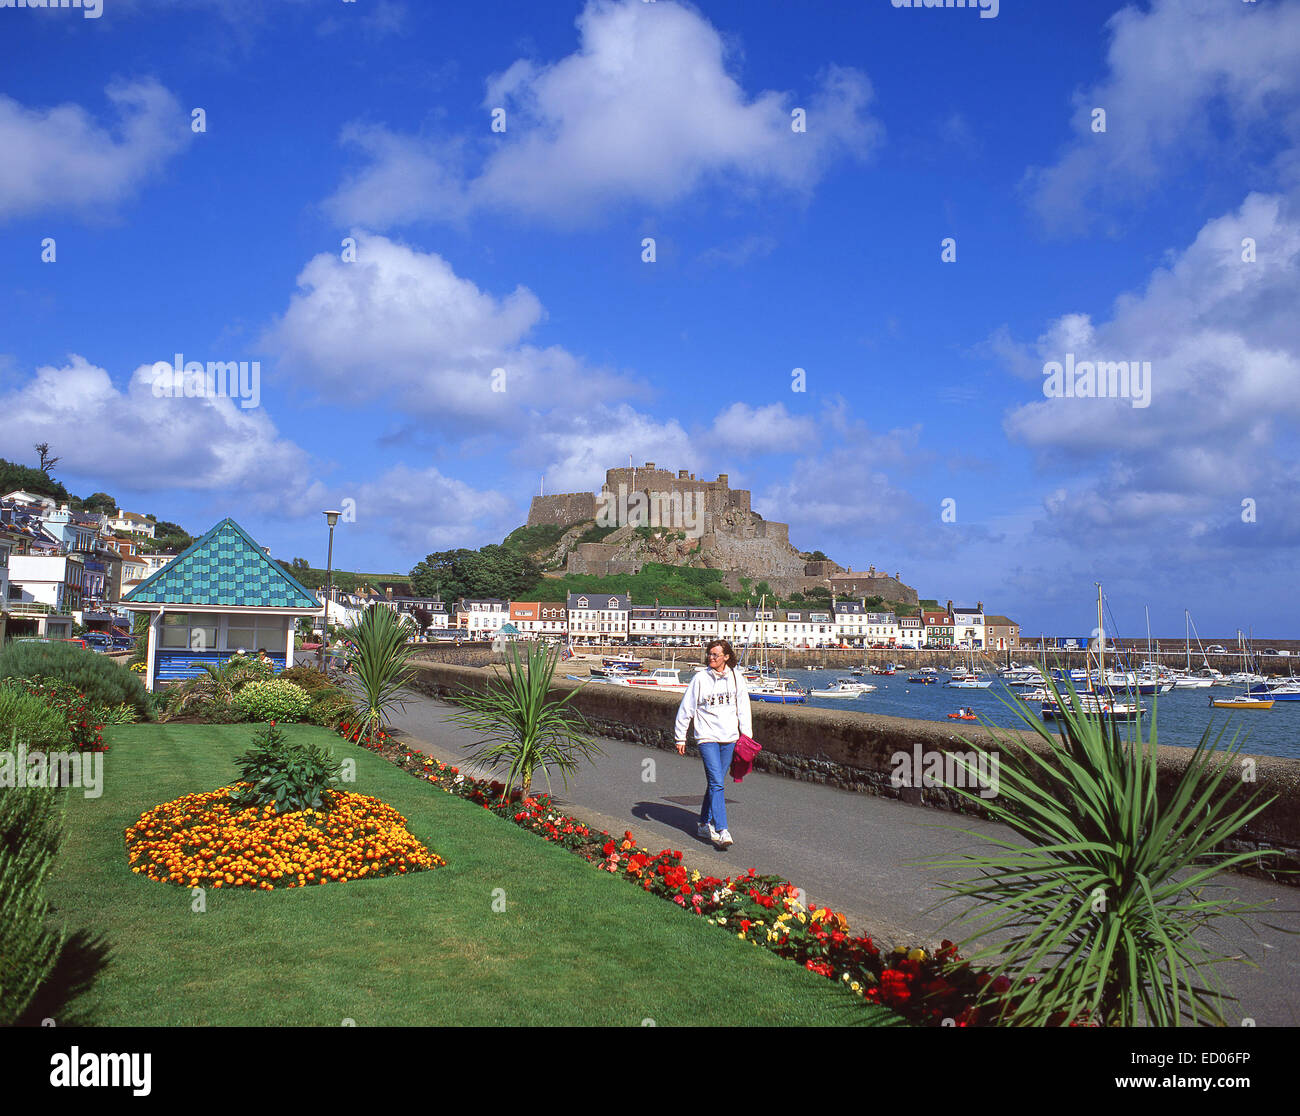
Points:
(574, 946)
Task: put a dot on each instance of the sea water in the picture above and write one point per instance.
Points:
(1181, 715)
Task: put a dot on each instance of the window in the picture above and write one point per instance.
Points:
(178, 633)
(254, 633)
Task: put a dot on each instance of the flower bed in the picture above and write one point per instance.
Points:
(203, 840)
(929, 987)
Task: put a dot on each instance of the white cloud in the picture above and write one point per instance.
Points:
(61, 158)
(1224, 344)
(401, 325)
(133, 438)
(1170, 70)
(423, 510)
(572, 449)
(644, 111)
(745, 431)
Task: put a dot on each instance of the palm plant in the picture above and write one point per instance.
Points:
(524, 727)
(1107, 895)
(380, 665)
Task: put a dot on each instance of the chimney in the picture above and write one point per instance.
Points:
(649, 464)
(979, 606)
(949, 610)
(722, 480)
(682, 474)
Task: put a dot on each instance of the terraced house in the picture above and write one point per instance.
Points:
(598, 617)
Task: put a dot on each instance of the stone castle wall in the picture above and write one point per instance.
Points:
(565, 509)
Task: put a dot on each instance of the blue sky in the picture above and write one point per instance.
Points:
(775, 250)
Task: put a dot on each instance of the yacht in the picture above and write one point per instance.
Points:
(843, 689)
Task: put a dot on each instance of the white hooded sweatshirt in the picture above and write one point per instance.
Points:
(720, 705)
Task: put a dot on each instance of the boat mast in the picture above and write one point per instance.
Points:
(1101, 641)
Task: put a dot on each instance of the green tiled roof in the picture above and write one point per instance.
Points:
(224, 567)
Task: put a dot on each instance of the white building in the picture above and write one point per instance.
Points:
(661, 623)
(131, 523)
(598, 617)
(481, 617)
(45, 588)
(967, 625)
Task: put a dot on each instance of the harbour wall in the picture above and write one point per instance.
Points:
(853, 751)
(842, 660)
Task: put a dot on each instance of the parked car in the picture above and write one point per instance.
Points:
(47, 639)
(99, 641)
(1217, 650)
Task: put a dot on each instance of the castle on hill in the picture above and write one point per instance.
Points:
(720, 531)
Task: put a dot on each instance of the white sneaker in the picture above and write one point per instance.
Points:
(706, 830)
(723, 839)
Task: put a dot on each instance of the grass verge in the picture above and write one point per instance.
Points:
(572, 946)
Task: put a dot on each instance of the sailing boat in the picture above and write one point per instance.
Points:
(772, 687)
(1186, 680)
(1091, 701)
(968, 678)
(1251, 699)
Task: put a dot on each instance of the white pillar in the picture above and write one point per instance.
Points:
(288, 642)
(154, 628)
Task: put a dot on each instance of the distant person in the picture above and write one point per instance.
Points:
(718, 701)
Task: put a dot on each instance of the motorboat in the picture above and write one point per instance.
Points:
(663, 679)
(843, 689)
(782, 691)
(963, 714)
(968, 680)
(1095, 705)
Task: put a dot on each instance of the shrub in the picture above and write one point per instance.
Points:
(31, 828)
(330, 708)
(381, 664)
(308, 677)
(82, 721)
(103, 681)
(288, 776)
(31, 720)
(523, 729)
(209, 695)
(1105, 901)
(272, 700)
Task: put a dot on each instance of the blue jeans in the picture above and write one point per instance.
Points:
(717, 762)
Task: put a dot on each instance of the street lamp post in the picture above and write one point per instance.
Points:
(333, 518)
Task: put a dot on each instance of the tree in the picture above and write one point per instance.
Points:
(47, 462)
(99, 502)
(493, 571)
(14, 477)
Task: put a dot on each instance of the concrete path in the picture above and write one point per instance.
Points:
(855, 853)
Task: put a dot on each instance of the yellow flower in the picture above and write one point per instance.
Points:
(916, 955)
(803, 918)
(695, 877)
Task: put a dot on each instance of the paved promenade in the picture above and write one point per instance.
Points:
(855, 853)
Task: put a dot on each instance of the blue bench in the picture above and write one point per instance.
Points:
(179, 664)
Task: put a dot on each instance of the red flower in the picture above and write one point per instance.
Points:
(608, 850)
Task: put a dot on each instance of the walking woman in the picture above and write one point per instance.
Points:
(718, 700)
